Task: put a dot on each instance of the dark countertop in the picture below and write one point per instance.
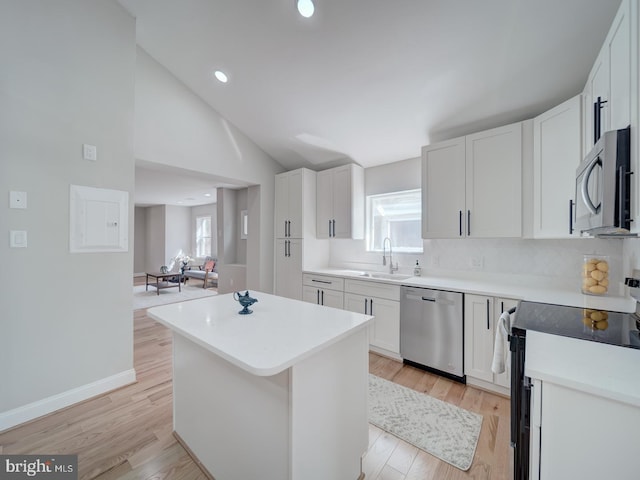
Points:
(618, 329)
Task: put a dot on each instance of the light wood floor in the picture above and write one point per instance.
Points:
(127, 434)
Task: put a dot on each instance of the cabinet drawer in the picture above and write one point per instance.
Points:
(372, 289)
(323, 281)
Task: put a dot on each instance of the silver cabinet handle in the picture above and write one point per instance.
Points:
(371, 306)
(322, 297)
(321, 281)
(427, 299)
(318, 296)
(468, 223)
(460, 221)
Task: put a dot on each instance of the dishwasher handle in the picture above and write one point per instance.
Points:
(411, 296)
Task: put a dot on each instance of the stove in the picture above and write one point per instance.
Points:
(613, 328)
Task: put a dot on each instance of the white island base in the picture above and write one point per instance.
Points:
(240, 422)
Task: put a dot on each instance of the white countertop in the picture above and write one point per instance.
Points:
(278, 334)
(515, 287)
(605, 370)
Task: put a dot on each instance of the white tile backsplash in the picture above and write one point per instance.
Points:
(559, 259)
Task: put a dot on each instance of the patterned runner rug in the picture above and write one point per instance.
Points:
(439, 428)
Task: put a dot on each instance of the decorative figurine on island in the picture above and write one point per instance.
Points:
(246, 301)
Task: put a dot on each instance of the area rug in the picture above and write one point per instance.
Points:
(144, 299)
(439, 428)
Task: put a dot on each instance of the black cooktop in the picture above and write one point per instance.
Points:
(614, 328)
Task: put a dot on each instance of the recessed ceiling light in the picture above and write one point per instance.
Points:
(305, 7)
(207, 194)
(221, 76)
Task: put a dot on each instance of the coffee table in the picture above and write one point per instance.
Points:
(162, 282)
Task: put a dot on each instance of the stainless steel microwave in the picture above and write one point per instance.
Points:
(603, 187)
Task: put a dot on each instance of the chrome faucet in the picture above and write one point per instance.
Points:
(384, 255)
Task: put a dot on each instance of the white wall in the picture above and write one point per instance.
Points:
(241, 244)
(175, 127)
(68, 70)
(155, 230)
(177, 233)
(140, 239)
(557, 261)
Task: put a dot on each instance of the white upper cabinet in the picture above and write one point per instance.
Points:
(443, 189)
(557, 153)
(611, 78)
(294, 193)
(494, 182)
(340, 202)
(472, 186)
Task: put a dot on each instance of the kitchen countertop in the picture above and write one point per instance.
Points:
(278, 334)
(515, 287)
(595, 368)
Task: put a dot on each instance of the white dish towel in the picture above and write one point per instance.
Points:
(500, 342)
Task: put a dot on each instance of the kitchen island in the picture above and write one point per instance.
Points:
(278, 394)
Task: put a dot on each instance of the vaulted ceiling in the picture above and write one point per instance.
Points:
(371, 81)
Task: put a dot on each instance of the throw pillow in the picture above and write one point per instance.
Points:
(208, 266)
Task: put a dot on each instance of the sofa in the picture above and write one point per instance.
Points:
(206, 272)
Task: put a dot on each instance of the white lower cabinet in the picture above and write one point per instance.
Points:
(323, 290)
(383, 302)
(580, 435)
(481, 314)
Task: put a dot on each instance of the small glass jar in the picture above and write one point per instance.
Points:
(595, 274)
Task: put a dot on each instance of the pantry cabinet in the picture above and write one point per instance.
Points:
(383, 302)
(557, 153)
(481, 314)
(472, 186)
(340, 202)
(296, 246)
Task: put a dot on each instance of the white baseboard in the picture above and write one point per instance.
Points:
(140, 274)
(33, 410)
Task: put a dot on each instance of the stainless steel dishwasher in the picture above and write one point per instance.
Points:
(431, 330)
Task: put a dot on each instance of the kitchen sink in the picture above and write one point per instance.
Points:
(387, 276)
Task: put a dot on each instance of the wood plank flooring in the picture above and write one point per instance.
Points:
(127, 433)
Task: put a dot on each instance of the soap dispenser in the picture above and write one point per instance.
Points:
(417, 270)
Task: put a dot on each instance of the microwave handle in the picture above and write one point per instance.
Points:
(585, 184)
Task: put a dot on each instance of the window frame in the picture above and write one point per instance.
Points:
(199, 238)
(369, 235)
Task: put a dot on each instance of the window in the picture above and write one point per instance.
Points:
(395, 215)
(203, 236)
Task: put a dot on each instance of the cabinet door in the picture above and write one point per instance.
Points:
(478, 336)
(556, 155)
(296, 203)
(443, 190)
(358, 304)
(311, 294)
(282, 204)
(342, 202)
(386, 325)
(332, 298)
(289, 268)
(619, 52)
(567, 438)
(502, 305)
(324, 203)
(494, 182)
(599, 87)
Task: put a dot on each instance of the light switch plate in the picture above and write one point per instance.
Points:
(18, 239)
(17, 199)
(89, 152)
